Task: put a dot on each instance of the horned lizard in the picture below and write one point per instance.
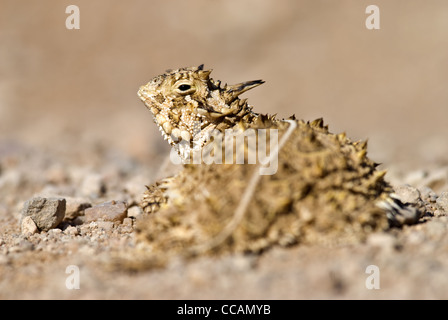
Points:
(322, 187)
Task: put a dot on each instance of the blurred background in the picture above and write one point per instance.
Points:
(77, 88)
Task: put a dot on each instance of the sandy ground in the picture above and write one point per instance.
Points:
(72, 125)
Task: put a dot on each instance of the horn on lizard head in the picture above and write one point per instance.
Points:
(232, 92)
(203, 74)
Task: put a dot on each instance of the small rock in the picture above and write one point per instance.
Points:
(93, 225)
(46, 213)
(134, 211)
(440, 213)
(127, 225)
(128, 222)
(408, 194)
(428, 194)
(75, 207)
(55, 232)
(442, 201)
(28, 226)
(93, 186)
(109, 211)
(73, 231)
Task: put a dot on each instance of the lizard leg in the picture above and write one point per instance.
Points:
(399, 213)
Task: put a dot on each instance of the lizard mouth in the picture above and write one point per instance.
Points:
(186, 130)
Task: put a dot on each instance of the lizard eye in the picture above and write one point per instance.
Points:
(185, 88)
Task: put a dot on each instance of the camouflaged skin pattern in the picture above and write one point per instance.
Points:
(325, 190)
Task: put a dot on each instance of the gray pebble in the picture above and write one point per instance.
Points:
(46, 213)
(408, 194)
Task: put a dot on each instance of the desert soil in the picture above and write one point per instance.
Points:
(72, 127)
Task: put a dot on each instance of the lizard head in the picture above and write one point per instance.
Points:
(187, 104)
